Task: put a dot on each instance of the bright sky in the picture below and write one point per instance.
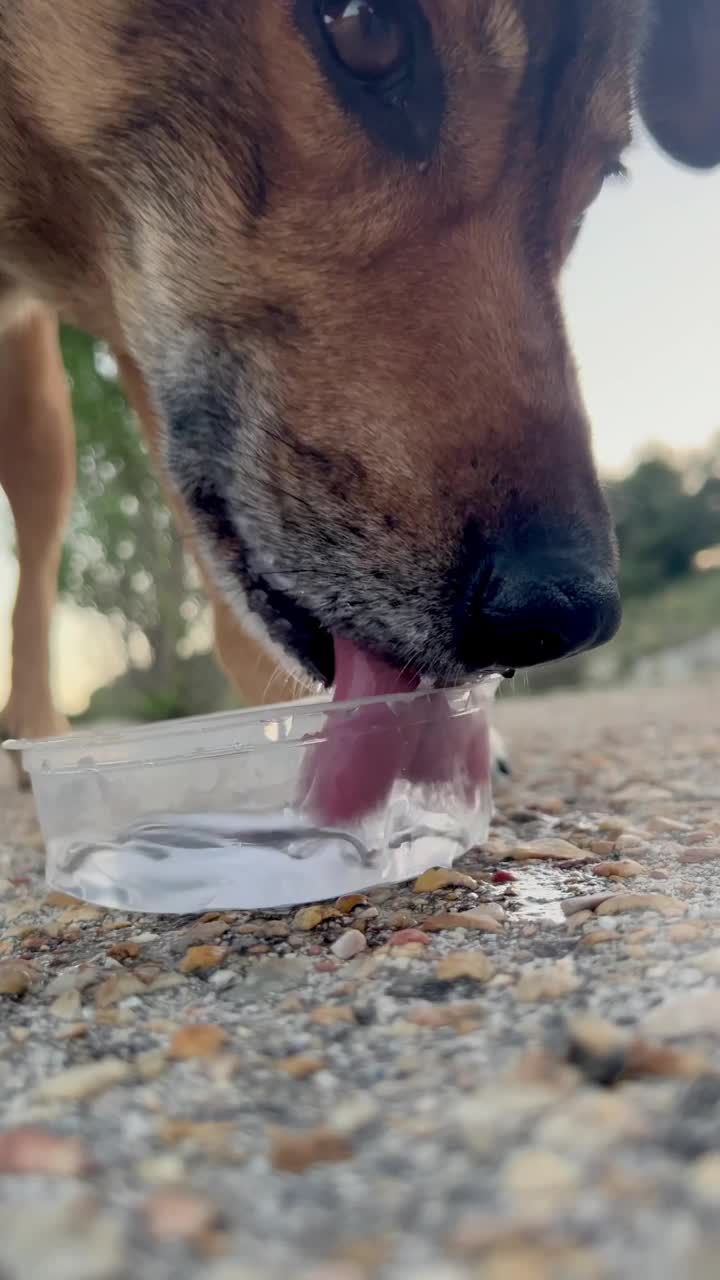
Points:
(643, 300)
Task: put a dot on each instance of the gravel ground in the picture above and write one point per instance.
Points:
(473, 1076)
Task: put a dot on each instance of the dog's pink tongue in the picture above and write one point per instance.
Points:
(359, 675)
(351, 772)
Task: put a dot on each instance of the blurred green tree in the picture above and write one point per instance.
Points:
(664, 515)
(122, 554)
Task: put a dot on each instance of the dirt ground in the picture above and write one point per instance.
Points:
(508, 1074)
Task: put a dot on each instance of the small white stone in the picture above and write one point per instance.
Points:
(222, 978)
(349, 944)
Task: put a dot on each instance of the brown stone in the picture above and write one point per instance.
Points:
(197, 1041)
(293, 1152)
(203, 958)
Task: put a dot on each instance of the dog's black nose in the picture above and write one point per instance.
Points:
(535, 608)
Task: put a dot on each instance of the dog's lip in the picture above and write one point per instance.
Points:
(290, 623)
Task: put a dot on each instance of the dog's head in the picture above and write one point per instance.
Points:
(332, 232)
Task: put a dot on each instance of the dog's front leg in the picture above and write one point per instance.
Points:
(37, 472)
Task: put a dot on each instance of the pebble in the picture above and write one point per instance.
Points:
(462, 1017)
(660, 823)
(623, 868)
(549, 849)
(308, 918)
(687, 931)
(601, 847)
(538, 1172)
(326, 1015)
(222, 978)
(628, 843)
(300, 1066)
(354, 1114)
(695, 1013)
(705, 1178)
(124, 951)
(598, 938)
(177, 1214)
(642, 793)
(400, 920)
(699, 856)
(69, 1240)
(197, 1041)
(77, 978)
(405, 936)
(596, 1047)
(16, 977)
(67, 1007)
(442, 878)
(163, 1170)
(118, 987)
(586, 903)
(709, 961)
(473, 965)
(549, 982)
(293, 1152)
(643, 1059)
(152, 1064)
(498, 1114)
(658, 902)
(350, 901)
(36, 1151)
(473, 920)
(349, 944)
(206, 1136)
(276, 929)
(578, 919)
(85, 1080)
(203, 958)
(80, 913)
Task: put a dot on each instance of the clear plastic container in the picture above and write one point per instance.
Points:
(267, 807)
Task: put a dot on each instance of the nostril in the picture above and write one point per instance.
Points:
(528, 648)
(536, 610)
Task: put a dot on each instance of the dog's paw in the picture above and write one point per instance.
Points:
(13, 724)
(499, 756)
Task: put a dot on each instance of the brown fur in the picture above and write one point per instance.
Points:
(350, 364)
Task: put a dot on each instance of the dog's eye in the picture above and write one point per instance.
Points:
(367, 37)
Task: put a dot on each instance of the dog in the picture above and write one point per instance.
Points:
(324, 239)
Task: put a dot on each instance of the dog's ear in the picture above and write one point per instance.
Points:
(679, 80)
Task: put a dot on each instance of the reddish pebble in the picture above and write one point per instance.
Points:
(325, 966)
(315, 950)
(503, 877)
(35, 942)
(403, 936)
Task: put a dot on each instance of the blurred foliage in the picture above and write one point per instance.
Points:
(124, 558)
(122, 554)
(664, 515)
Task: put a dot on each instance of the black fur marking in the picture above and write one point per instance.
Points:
(339, 472)
(199, 413)
(290, 624)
